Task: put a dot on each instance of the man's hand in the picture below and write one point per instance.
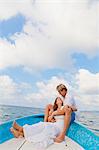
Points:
(60, 138)
(73, 108)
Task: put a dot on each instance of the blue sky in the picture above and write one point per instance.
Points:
(39, 51)
(82, 61)
(11, 26)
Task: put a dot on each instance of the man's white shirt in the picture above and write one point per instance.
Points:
(70, 101)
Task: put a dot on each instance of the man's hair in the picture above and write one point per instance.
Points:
(61, 87)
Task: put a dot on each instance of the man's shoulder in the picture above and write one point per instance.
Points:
(70, 100)
(69, 97)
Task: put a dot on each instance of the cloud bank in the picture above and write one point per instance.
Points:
(53, 31)
(85, 91)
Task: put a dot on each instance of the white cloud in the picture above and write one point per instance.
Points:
(10, 8)
(88, 82)
(46, 91)
(12, 93)
(53, 31)
(7, 87)
(87, 90)
(70, 23)
(22, 94)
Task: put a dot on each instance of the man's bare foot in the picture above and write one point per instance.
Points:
(14, 132)
(59, 138)
(17, 127)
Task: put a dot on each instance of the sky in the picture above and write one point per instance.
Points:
(47, 42)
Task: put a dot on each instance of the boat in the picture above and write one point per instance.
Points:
(78, 137)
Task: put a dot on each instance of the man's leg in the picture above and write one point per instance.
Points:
(48, 108)
(67, 119)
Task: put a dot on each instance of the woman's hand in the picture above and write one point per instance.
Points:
(53, 120)
(50, 118)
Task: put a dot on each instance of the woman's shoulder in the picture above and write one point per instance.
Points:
(50, 106)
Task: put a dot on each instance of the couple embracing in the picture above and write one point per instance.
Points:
(57, 119)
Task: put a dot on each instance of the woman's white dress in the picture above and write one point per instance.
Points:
(42, 134)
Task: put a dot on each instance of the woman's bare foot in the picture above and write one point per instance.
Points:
(14, 132)
(17, 127)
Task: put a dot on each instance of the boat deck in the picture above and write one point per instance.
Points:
(21, 144)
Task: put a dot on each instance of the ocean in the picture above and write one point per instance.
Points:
(90, 119)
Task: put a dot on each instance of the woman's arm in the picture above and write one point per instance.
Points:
(61, 111)
(47, 109)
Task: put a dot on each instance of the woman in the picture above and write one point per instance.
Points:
(42, 134)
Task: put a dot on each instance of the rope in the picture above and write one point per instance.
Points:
(22, 145)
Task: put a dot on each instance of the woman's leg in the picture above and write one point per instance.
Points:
(17, 127)
(16, 133)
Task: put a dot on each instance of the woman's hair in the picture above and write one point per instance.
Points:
(55, 104)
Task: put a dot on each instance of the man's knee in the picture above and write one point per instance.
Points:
(67, 110)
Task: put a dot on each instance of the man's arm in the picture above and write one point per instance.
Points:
(61, 111)
(57, 112)
(73, 108)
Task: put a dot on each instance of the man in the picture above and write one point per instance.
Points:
(67, 111)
